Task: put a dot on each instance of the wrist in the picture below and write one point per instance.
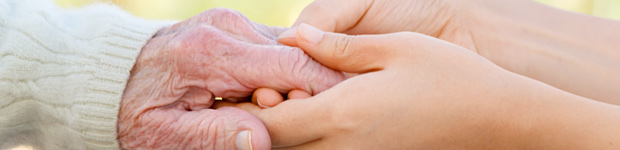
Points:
(538, 116)
(505, 29)
(567, 50)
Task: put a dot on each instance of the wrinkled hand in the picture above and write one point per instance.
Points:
(167, 102)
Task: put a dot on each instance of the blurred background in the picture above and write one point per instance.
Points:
(284, 12)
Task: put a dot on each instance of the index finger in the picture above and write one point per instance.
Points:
(329, 16)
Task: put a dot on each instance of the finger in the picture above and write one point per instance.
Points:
(236, 24)
(328, 15)
(288, 37)
(248, 133)
(266, 97)
(355, 54)
(294, 122)
(293, 116)
(247, 106)
(285, 68)
(298, 94)
(312, 118)
(222, 128)
(269, 31)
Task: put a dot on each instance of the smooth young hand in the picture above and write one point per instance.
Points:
(574, 52)
(418, 92)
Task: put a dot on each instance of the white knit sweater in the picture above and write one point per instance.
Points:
(63, 72)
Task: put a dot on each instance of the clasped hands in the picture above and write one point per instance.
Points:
(168, 103)
(413, 90)
(168, 100)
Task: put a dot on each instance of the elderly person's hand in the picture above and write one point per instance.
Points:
(574, 52)
(418, 92)
(167, 102)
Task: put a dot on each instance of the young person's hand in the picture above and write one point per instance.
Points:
(418, 92)
(448, 20)
(573, 52)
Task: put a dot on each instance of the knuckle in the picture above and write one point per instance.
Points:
(220, 17)
(342, 47)
(225, 14)
(221, 11)
(232, 14)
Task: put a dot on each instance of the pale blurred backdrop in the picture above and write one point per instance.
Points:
(284, 12)
(269, 12)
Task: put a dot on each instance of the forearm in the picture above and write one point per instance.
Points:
(534, 115)
(574, 52)
(579, 124)
(564, 121)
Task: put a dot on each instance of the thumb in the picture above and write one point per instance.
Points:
(223, 128)
(328, 15)
(351, 53)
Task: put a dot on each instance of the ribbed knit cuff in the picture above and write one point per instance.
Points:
(97, 111)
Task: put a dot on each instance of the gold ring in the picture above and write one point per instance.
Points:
(219, 98)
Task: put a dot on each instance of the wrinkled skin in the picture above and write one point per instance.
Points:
(168, 99)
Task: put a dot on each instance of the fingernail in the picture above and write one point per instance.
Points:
(244, 140)
(261, 105)
(310, 34)
(290, 33)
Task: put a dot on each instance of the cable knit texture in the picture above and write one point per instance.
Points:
(63, 72)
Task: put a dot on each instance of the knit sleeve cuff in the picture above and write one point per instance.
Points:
(97, 111)
(63, 72)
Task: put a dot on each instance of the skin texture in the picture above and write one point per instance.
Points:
(418, 92)
(167, 102)
(573, 52)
